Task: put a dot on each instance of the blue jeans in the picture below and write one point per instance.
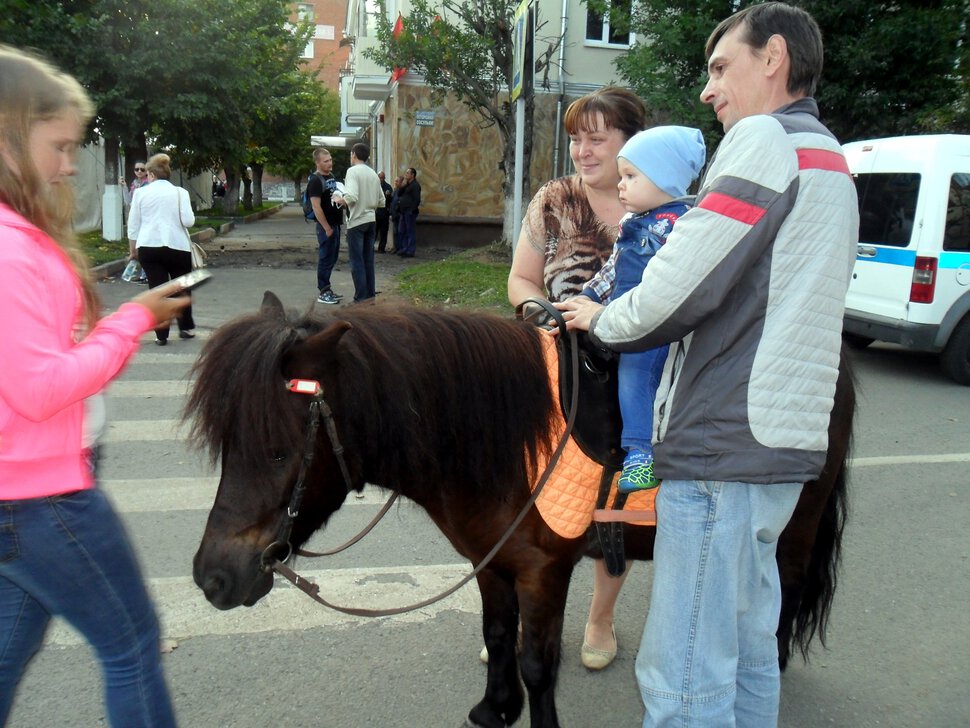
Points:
(360, 248)
(408, 230)
(69, 556)
(708, 658)
(327, 250)
(638, 376)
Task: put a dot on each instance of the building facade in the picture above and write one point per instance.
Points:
(327, 52)
(457, 160)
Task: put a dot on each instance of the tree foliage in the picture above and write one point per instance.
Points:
(465, 49)
(891, 68)
(203, 79)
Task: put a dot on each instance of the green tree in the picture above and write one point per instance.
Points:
(891, 68)
(465, 49)
(312, 110)
(198, 78)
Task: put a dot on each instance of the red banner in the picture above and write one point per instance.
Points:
(398, 29)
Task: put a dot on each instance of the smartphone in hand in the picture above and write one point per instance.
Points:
(193, 280)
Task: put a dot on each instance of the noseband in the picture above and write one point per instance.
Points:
(281, 548)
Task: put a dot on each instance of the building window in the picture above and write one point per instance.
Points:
(304, 12)
(611, 28)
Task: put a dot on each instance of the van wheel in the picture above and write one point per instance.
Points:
(855, 341)
(955, 359)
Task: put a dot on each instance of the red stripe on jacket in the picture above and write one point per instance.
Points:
(822, 159)
(732, 207)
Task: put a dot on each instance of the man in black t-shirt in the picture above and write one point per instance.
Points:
(329, 218)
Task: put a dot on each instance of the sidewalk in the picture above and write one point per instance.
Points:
(278, 254)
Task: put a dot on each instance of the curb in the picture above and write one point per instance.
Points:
(114, 267)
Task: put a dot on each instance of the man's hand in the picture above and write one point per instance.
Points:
(578, 312)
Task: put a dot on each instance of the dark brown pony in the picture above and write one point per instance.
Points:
(472, 394)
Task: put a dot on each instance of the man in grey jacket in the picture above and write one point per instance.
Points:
(750, 288)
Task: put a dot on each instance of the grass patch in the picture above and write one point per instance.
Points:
(473, 279)
(98, 250)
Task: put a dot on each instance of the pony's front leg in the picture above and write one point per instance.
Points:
(502, 704)
(542, 600)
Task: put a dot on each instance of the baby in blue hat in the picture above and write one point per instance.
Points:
(656, 167)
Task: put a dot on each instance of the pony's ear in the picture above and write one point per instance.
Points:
(272, 306)
(328, 338)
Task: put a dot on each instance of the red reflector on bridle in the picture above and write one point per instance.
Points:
(304, 386)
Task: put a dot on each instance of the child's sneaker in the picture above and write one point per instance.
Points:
(637, 473)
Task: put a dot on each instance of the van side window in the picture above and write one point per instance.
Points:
(887, 207)
(956, 234)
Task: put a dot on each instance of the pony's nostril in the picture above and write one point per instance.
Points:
(214, 585)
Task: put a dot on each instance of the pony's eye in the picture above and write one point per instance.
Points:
(278, 457)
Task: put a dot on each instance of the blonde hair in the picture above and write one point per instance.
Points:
(159, 165)
(31, 91)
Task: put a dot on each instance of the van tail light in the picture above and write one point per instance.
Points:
(924, 281)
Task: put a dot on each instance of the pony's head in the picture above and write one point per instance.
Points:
(249, 420)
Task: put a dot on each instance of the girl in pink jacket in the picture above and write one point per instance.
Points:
(63, 550)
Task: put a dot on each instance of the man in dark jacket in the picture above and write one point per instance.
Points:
(408, 201)
(383, 215)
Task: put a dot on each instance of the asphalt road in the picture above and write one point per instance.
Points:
(899, 639)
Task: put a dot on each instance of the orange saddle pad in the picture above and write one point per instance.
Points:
(568, 499)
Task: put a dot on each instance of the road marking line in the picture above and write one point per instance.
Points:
(149, 388)
(870, 462)
(146, 495)
(184, 612)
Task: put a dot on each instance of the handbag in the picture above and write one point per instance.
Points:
(199, 256)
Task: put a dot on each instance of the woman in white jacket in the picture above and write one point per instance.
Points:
(158, 237)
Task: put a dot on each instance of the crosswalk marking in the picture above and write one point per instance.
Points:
(185, 613)
(143, 495)
(150, 388)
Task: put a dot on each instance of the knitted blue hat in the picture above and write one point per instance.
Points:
(670, 156)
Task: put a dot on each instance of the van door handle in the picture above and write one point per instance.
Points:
(867, 251)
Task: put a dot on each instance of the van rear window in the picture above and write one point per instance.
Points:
(887, 207)
(956, 234)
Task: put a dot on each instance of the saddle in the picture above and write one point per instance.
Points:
(598, 425)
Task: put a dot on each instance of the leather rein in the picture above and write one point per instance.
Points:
(275, 556)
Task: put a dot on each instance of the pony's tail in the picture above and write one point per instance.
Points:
(812, 610)
(805, 611)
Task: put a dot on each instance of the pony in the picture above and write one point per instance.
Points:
(452, 410)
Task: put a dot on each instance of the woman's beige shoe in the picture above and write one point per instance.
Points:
(594, 658)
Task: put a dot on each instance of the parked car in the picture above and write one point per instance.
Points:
(911, 281)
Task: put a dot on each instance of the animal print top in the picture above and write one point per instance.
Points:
(562, 226)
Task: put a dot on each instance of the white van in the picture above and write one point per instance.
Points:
(911, 282)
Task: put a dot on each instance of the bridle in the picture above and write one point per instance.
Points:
(320, 411)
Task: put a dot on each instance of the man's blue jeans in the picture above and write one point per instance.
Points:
(408, 227)
(69, 556)
(708, 658)
(360, 249)
(327, 250)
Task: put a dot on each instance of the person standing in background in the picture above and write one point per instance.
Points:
(383, 215)
(362, 196)
(158, 236)
(408, 203)
(395, 212)
(329, 218)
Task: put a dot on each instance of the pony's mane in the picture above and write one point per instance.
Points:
(435, 395)
(238, 388)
